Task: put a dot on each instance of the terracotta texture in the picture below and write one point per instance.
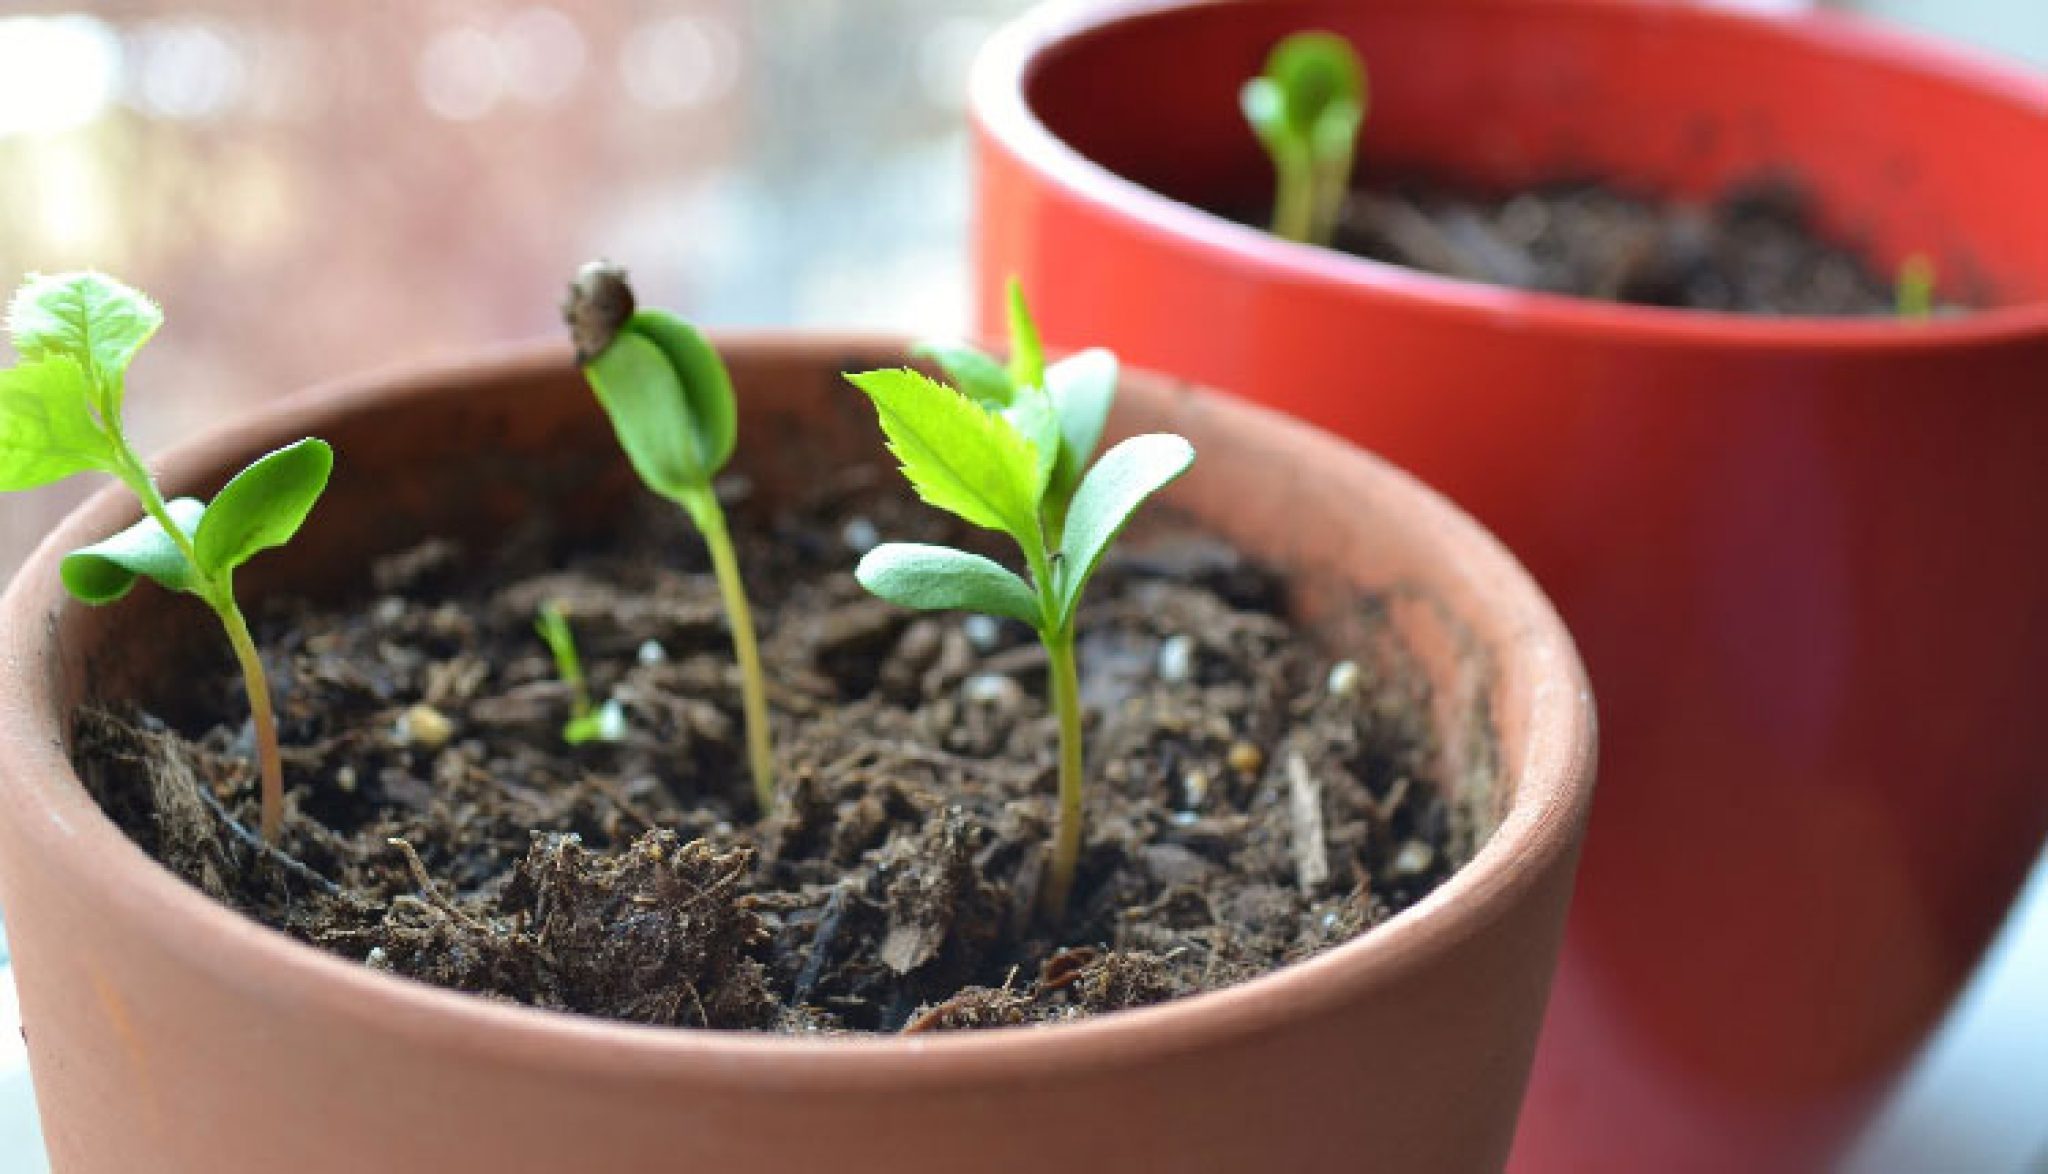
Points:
(169, 1034)
(1803, 559)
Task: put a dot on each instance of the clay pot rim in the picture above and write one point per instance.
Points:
(1002, 112)
(1552, 795)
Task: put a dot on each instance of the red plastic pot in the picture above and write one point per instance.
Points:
(1807, 561)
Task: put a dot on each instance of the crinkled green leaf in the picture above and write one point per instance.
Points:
(94, 320)
(1027, 356)
(47, 431)
(958, 456)
(939, 578)
(107, 570)
(705, 384)
(1083, 388)
(1109, 495)
(972, 370)
(264, 505)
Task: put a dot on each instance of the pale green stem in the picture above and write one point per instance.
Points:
(1294, 201)
(1332, 184)
(220, 596)
(1066, 704)
(710, 518)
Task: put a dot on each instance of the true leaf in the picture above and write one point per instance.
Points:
(264, 505)
(973, 371)
(939, 578)
(1032, 415)
(107, 570)
(958, 456)
(1111, 492)
(1027, 356)
(1082, 387)
(702, 379)
(47, 432)
(97, 322)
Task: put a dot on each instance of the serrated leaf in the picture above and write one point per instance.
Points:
(263, 506)
(90, 318)
(973, 371)
(705, 384)
(1027, 355)
(107, 570)
(1083, 389)
(958, 456)
(1108, 497)
(939, 578)
(47, 431)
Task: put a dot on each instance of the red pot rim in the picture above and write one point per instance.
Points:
(1552, 794)
(1001, 111)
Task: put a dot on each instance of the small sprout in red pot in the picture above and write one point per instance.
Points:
(1307, 108)
(671, 404)
(60, 414)
(587, 722)
(1913, 288)
(1005, 458)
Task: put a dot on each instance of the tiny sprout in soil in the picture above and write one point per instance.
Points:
(587, 722)
(1009, 451)
(670, 401)
(60, 414)
(1306, 108)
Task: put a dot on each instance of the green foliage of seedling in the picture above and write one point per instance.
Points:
(670, 401)
(1061, 408)
(977, 461)
(60, 414)
(1913, 289)
(587, 722)
(1306, 109)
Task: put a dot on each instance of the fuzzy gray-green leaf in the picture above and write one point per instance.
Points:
(47, 431)
(264, 505)
(107, 570)
(1109, 495)
(1083, 388)
(939, 578)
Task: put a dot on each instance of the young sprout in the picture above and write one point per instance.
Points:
(1913, 289)
(995, 457)
(1307, 108)
(587, 723)
(60, 414)
(670, 401)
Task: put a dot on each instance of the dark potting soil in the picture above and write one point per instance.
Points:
(1755, 250)
(1252, 801)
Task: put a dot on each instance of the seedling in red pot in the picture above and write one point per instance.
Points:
(1306, 108)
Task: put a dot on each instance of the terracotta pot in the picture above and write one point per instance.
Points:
(1804, 559)
(169, 1034)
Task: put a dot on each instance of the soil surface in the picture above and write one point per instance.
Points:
(1755, 250)
(1253, 800)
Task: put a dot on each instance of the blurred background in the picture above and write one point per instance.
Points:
(318, 188)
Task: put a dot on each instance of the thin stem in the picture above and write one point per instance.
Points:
(1066, 703)
(270, 762)
(1332, 185)
(710, 518)
(1294, 202)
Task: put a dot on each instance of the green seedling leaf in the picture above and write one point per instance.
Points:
(1319, 79)
(107, 570)
(958, 456)
(939, 578)
(1083, 388)
(1307, 109)
(47, 431)
(606, 723)
(1032, 415)
(705, 384)
(1109, 495)
(639, 389)
(263, 506)
(89, 318)
(1027, 356)
(973, 371)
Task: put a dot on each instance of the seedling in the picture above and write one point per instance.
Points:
(587, 722)
(670, 402)
(1913, 289)
(1307, 108)
(60, 414)
(997, 466)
